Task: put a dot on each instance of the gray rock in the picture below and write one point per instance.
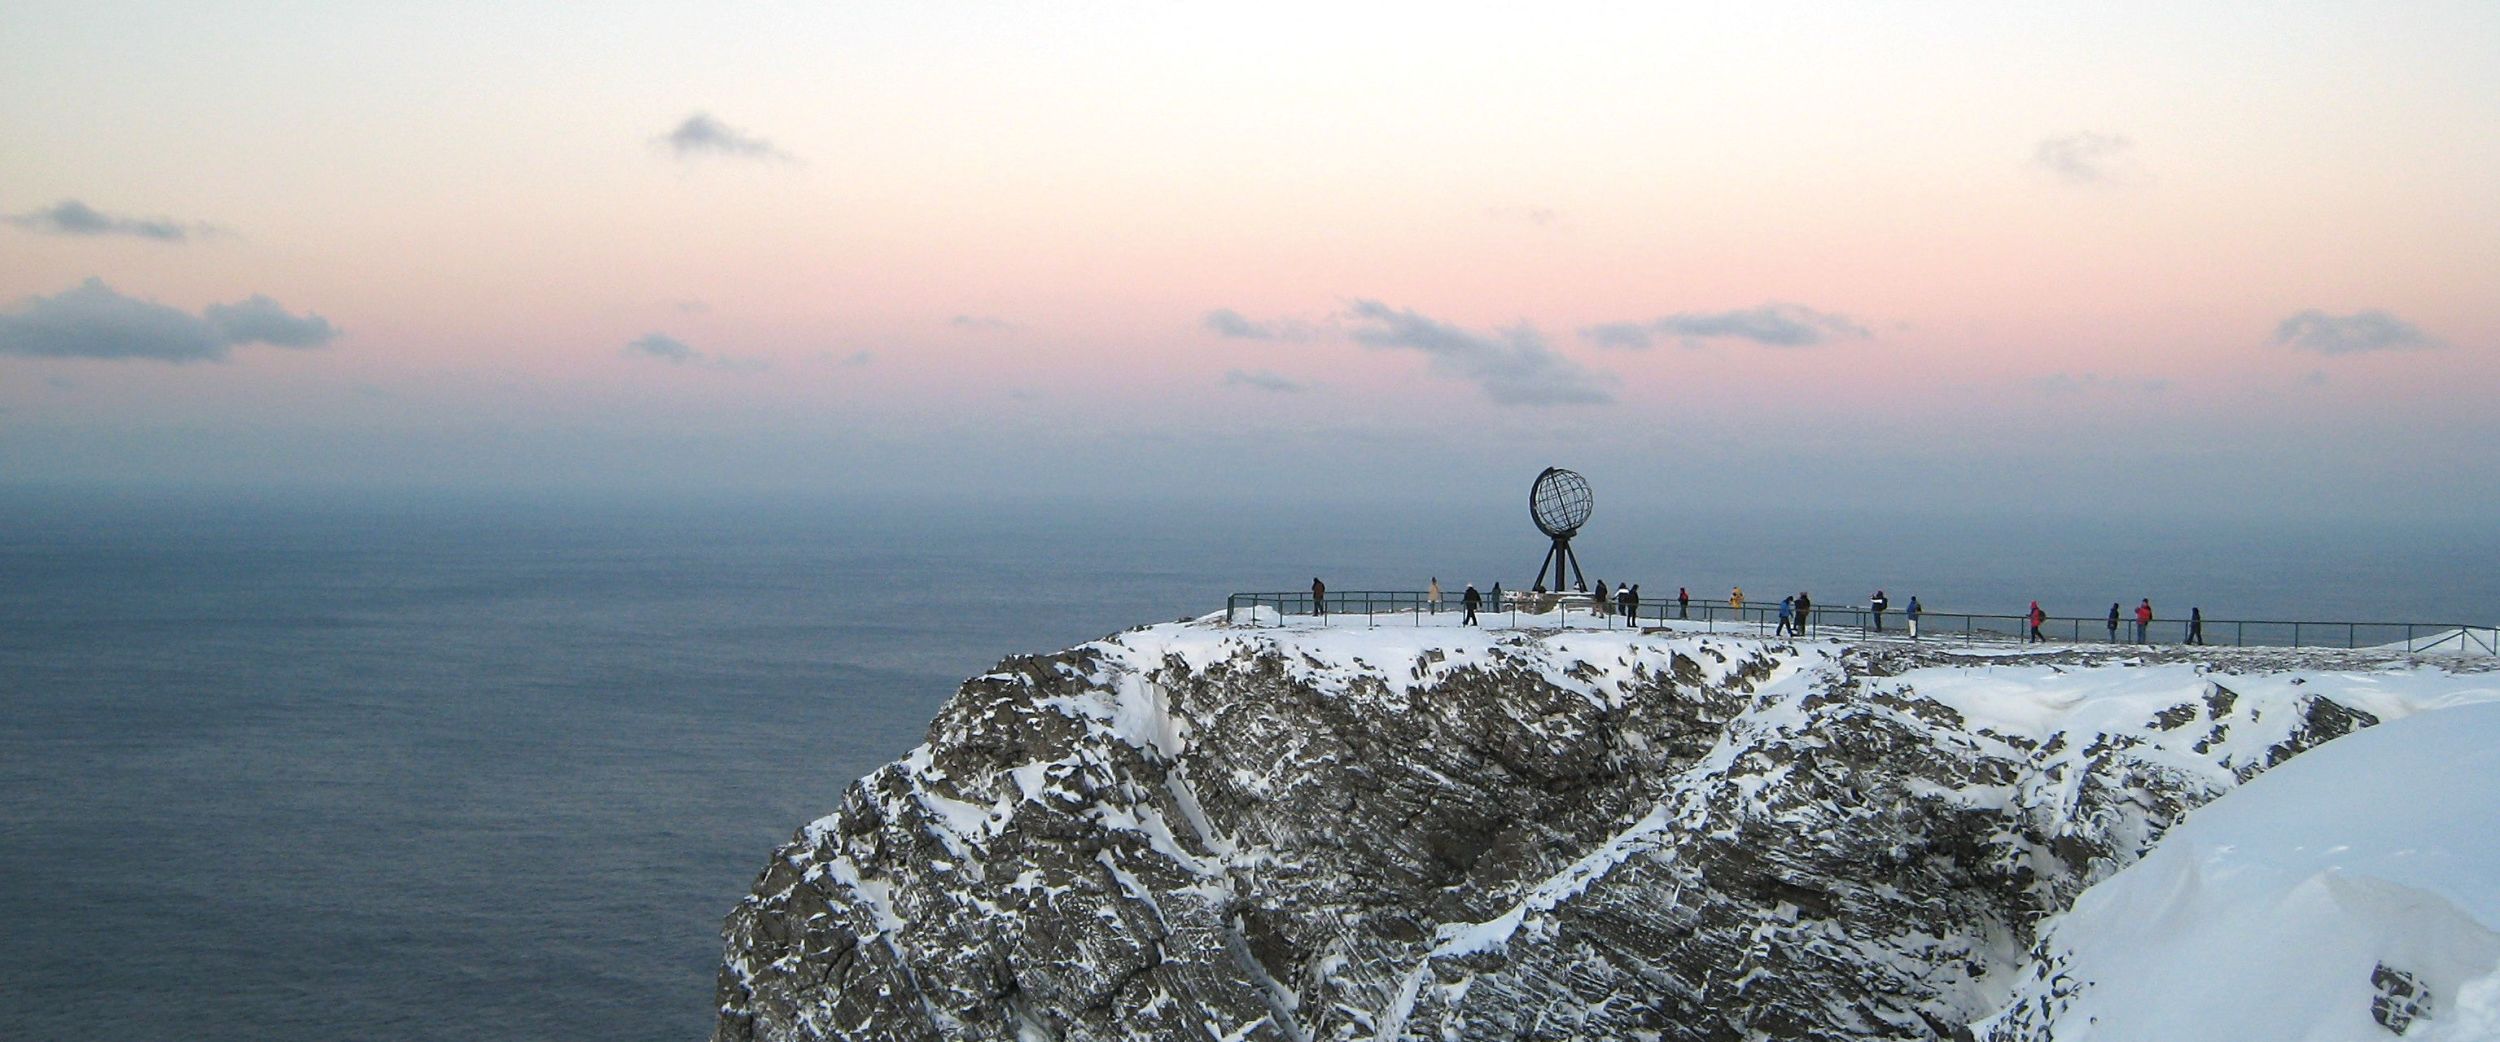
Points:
(1196, 832)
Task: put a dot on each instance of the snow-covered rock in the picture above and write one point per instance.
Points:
(1200, 831)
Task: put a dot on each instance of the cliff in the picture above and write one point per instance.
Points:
(1199, 831)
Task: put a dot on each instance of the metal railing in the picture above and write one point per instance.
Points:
(1530, 610)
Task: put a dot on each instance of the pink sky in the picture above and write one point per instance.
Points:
(988, 242)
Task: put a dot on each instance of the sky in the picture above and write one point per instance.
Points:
(2214, 259)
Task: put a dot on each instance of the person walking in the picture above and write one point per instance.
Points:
(2143, 620)
(1787, 605)
(1804, 626)
(1913, 612)
(1599, 605)
(1319, 597)
(1683, 603)
(2113, 622)
(2196, 626)
(1432, 595)
(1876, 608)
(1470, 600)
(2036, 616)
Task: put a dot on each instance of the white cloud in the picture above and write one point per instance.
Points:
(92, 321)
(1771, 325)
(1513, 367)
(2358, 333)
(701, 135)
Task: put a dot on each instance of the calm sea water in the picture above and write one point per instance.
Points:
(282, 768)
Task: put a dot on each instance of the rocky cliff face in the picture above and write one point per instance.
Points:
(1194, 831)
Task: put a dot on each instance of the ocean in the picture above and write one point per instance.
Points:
(309, 766)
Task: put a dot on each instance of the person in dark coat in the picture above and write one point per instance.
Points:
(1630, 596)
(2196, 625)
(1804, 626)
(2113, 622)
(1876, 608)
(1683, 603)
(1319, 596)
(1600, 605)
(1470, 600)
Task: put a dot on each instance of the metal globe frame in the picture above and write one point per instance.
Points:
(1559, 503)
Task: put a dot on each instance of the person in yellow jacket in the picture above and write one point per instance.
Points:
(1736, 600)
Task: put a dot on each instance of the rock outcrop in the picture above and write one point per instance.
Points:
(1194, 831)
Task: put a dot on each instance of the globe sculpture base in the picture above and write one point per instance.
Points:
(1556, 558)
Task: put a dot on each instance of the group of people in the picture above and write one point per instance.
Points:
(1470, 600)
(2143, 622)
(1796, 611)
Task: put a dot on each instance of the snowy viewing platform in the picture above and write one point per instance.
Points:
(1575, 610)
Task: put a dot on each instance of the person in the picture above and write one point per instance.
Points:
(1913, 613)
(1497, 595)
(2196, 626)
(1876, 608)
(1470, 600)
(2143, 620)
(2113, 622)
(1319, 596)
(1599, 606)
(1787, 605)
(1683, 603)
(1630, 596)
(2036, 616)
(1736, 601)
(1432, 595)
(1804, 626)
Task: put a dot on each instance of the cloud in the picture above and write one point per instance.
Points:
(71, 217)
(1228, 323)
(2085, 158)
(1513, 368)
(1262, 380)
(1771, 325)
(676, 352)
(701, 135)
(93, 321)
(2358, 333)
(261, 321)
(981, 323)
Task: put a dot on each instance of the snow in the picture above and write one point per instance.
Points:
(2267, 913)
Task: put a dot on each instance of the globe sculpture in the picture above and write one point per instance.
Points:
(1559, 502)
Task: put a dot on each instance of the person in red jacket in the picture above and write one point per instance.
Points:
(2037, 617)
(2143, 619)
